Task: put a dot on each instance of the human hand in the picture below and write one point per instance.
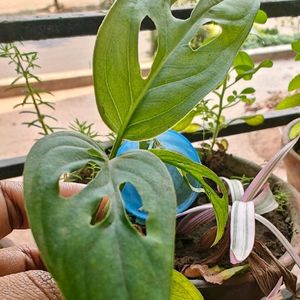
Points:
(22, 272)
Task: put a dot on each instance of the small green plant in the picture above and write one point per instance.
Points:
(85, 128)
(245, 180)
(25, 63)
(248, 205)
(293, 99)
(269, 37)
(211, 109)
(282, 200)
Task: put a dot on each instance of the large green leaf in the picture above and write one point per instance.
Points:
(201, 173)
(180, 77)
(111, 259)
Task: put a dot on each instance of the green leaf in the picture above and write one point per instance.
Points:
(183, 289)
(137, 108)
(249, 90)
(185, 122)
(297, 58)
(294, 131)
(192, 128)
(254, 120)
(266, 64)
(261, 17)
(231, 98)
(243, 59)
(200, 172)
(295, 83)
(289, 102)
(111, 259)
(296, 46)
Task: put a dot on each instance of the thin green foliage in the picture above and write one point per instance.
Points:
(85, 128)
(223, 97)
(282, 200)
(243, 179)
(293, 99)
(25, 63)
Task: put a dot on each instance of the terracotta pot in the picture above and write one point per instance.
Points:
(292, 160)
(244, 286)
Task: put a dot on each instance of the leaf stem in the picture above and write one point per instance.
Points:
(220, 107)
(116, 146)
(30, 91)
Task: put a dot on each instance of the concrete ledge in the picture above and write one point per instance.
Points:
(83, 78)
(273, 53)
(49, 82)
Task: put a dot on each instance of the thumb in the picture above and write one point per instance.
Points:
(30, 285)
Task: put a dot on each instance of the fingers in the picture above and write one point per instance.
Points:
(31, 285)
(19, 259)
(12, 210)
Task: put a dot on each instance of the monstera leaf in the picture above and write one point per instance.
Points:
(136, 108)
(109, 259)
(201, 173)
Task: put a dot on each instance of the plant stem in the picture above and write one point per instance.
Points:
(31, 93)
(116, 146)
(218, 123)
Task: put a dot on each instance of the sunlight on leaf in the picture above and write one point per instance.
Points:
(261, 17)
(254, 120)
(295, 83)
(296, 46)
(294, 131)
(183, 289)
(289, 102)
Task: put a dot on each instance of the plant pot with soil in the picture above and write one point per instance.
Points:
(292, 160)
(192, 258)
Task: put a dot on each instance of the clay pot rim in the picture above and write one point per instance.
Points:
(286, 139)
(285, 259)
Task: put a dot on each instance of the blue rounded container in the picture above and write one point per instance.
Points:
(170, 140)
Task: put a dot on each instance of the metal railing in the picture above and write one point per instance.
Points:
(22, 28)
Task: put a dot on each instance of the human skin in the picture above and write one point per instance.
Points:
(22, 272)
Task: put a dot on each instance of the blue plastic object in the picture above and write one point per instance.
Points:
(173, 141)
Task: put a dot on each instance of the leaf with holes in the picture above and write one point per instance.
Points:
(201, 173)
(103, 260)
(137, 108)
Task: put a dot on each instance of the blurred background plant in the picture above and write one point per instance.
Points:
(293, 99)
(24, 64)
(211, 110)
(208, 115)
